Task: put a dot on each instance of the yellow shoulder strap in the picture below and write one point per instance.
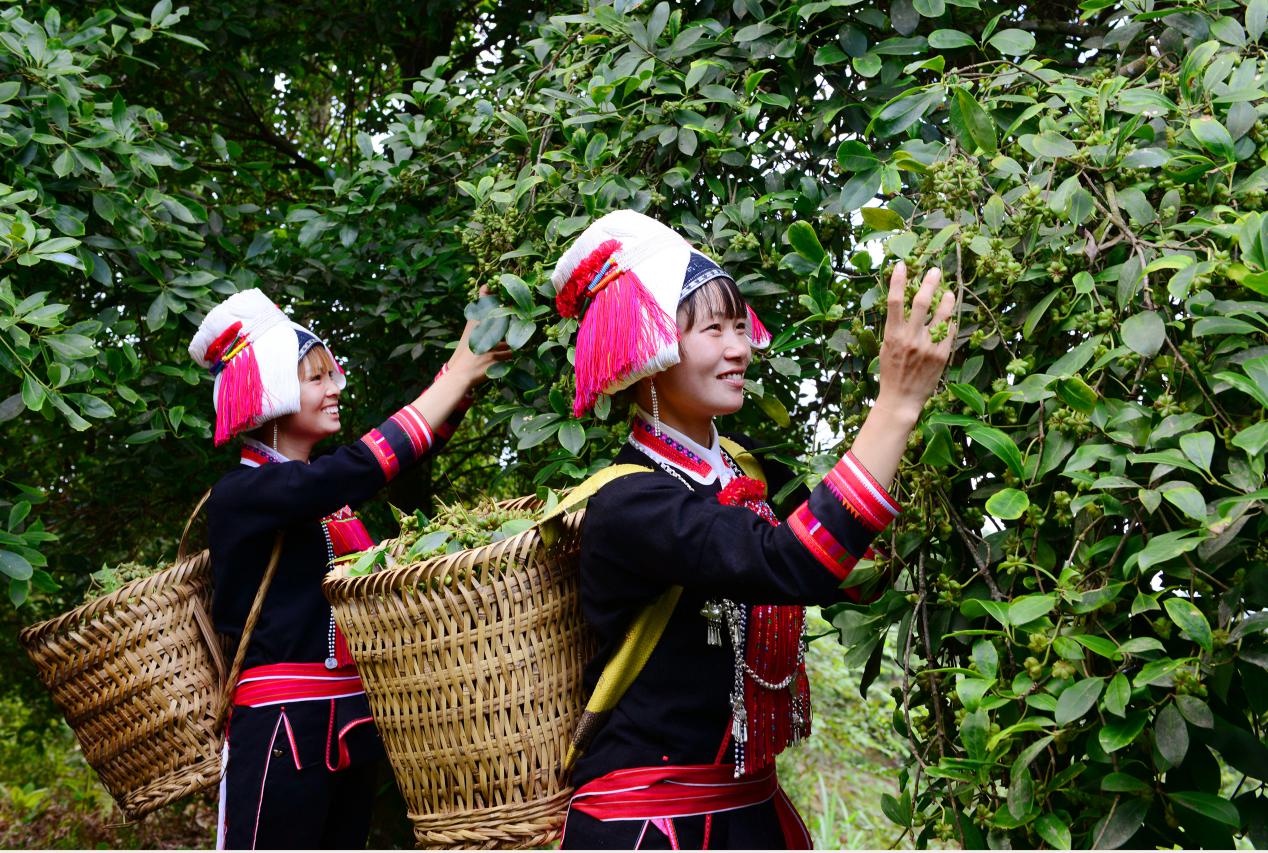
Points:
(579, 494)
(747, 461)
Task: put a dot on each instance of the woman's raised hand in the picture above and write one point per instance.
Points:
(911, 360)
(911, 364)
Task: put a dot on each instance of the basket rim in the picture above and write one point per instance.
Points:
(338, 586)
(33, 635)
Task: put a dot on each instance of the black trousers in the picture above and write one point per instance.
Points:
(278, 794)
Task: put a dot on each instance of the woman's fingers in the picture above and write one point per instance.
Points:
(924, 296)
(896, 303)
(945, 306)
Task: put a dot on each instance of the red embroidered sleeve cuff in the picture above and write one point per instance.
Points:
(842, 516)
(858, 492)
(400, 441)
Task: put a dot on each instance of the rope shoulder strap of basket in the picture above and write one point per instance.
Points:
(645, 631)
(253, 615)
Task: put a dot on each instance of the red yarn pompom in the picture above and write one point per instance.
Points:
(741, 490)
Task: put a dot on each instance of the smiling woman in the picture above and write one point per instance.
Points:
(724, 689)
(301, 751)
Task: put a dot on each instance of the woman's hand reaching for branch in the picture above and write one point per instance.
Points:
(912, 362)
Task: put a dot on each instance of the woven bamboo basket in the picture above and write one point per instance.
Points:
(472, 663)
(139, 675)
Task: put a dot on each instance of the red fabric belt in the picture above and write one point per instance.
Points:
(667, 792)
(295, 682)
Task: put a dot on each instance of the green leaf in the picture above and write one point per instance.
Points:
(868, 65)
(1167, 546)
(951, 39)
(1144, 332)
(1256, 18)
(1117, 695)
(882, 219)
(1195, 711)
(572, 436)
(1208, 806)
(1171, 735)
(15, 566)
(930, 8)
(32, 393)
(1117, 734)
(1054, 831)
(1008, 504)
(986, 658)
(1188, 500)
(801, 236)
(1013, 42)
(969, 396)
(1028, 608)
(854, 156)
(1051, 144)
(973, 733)
(999, 444)
(774, 409)
(1124, 783)
(1117, 828)
(1077, 699)
(1198, 447)
(830, 54)
(978, 123)
(1098, 645)
(488, 332)
(1037, 313)
(518, 290)
(1214, 137)
(1253, 439)
(1190, 620)
(1077, 394)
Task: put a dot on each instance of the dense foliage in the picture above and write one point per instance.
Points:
(1078, 575)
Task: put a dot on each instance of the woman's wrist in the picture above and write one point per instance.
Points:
(897, 413)
(455, 372)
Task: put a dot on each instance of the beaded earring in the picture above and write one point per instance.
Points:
(275, 434)
(655, 410)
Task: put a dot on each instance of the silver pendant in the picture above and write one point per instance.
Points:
(712, 612)
(332, 663)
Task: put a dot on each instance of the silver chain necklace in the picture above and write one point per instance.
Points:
(736, 617)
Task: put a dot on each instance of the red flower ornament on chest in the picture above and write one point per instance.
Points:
(750, 494)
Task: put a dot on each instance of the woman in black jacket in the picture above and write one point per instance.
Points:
(686, 758)
(301, 752)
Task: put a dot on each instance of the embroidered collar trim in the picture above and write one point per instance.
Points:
(705, 465)
(257, 453)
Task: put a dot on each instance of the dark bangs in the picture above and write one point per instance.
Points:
(717, 297)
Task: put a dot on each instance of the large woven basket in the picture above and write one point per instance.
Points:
(139, 674)
(472, 663)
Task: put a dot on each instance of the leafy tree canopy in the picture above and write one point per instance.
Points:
(1078, 577)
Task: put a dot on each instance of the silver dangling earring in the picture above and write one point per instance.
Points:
(275, 435)
(655, 410)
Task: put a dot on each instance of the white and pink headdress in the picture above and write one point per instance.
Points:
(625, 276)
(252, 349)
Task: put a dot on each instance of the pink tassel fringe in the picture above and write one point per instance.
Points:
(241, 398)
(622, 330)
(756, 331)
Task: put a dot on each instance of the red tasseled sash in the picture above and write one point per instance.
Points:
(772, 650)
(347, 535)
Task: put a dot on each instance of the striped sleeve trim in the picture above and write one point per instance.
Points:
(859, 493)
(416, 429)
(383, 453)
(820, 542)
